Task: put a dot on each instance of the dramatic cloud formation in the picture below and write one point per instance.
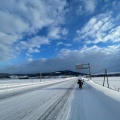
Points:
(20, 18)
(49, 35)
(101, 28)
(94, 55)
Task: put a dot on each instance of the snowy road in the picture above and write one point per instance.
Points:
(43, 104)
(95, 102)
(63, 101)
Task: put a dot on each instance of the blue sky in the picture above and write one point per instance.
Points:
(50, 35)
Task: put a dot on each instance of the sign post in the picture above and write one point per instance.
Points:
(84, 66)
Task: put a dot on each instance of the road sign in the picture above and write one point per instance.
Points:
(84, 66)
(80, 66)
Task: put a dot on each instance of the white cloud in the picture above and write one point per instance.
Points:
(57, 32)
(111, 50)
(54, 32)
(7, 50)
(98, 57)
(6, 53)
(114, 35)
(65, 44)
(33, 45)
(33, 50)
(60, 43)
(90, 5)
(101, 28)
(89, 25)
(8, 39)
(93, 50)
(12, 24)
(21, 18)
(36, 13)
(30, 59)
(11, 29)
(87, 6)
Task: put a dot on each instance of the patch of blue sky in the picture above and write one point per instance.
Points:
(37, 32)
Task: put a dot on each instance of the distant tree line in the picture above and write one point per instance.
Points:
(56, 73)
(109, 74)
(4, 75)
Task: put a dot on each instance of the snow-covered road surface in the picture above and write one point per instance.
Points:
(95, 102)
(43, 104)
(63, 101)
(12, 89)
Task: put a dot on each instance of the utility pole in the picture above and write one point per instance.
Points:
(104, 80)
(40, 77)
(89, 70)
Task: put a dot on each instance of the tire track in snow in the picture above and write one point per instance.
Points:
(52, 112)
(23, 91)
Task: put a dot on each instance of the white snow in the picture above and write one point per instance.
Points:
(114, 82)
(15, 85)
(95, 102)
(61, 101)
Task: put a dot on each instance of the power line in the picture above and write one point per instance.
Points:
(102, 70)
(99, 71)
(113, 67)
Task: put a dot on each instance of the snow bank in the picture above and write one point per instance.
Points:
(95, 102)
(109, 98)
(114, 82)
(106, 91)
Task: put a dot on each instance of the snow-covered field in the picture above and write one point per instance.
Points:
(114, 82)
(58, 99)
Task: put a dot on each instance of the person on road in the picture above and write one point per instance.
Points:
(80, 82)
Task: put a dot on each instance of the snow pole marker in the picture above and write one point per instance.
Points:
(105, 75)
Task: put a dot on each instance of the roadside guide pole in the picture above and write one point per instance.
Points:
(107, 77)
(40, 77)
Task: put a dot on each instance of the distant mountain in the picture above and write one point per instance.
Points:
(4, 75)
(65, 72)
(56, 73)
